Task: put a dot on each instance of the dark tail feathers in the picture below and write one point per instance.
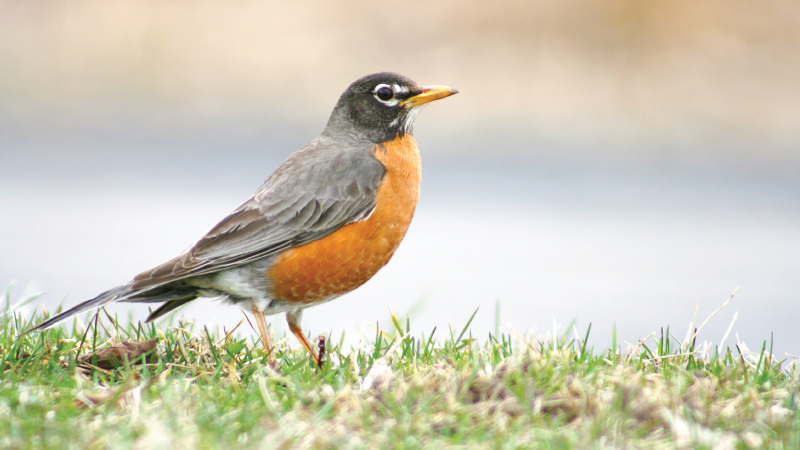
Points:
(171, 297)
(97, 302)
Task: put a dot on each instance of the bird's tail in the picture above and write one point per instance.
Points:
(101, 300)
(171, 297)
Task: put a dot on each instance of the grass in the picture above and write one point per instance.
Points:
(199, 389)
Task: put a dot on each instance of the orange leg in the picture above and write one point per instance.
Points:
(295, 325)
(262, 329)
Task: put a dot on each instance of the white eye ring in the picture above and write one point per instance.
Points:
(380, 92)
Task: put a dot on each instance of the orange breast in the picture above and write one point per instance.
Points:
(347, 258)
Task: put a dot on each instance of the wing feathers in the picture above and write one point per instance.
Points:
(314, 193)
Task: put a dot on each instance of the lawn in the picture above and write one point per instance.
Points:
(169, 385)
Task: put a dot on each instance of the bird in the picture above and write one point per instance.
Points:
(321, 225)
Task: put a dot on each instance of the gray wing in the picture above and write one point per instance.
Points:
(316, 191)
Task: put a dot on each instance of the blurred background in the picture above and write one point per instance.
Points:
(608, 162)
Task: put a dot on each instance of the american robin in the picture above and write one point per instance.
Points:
(320, 226)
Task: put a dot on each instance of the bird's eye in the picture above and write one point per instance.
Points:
(384, 93)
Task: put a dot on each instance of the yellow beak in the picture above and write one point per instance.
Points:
(429, 94)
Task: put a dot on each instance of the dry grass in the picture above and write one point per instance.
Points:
(195, 389)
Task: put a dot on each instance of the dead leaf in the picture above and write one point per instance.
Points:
(115, 356)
